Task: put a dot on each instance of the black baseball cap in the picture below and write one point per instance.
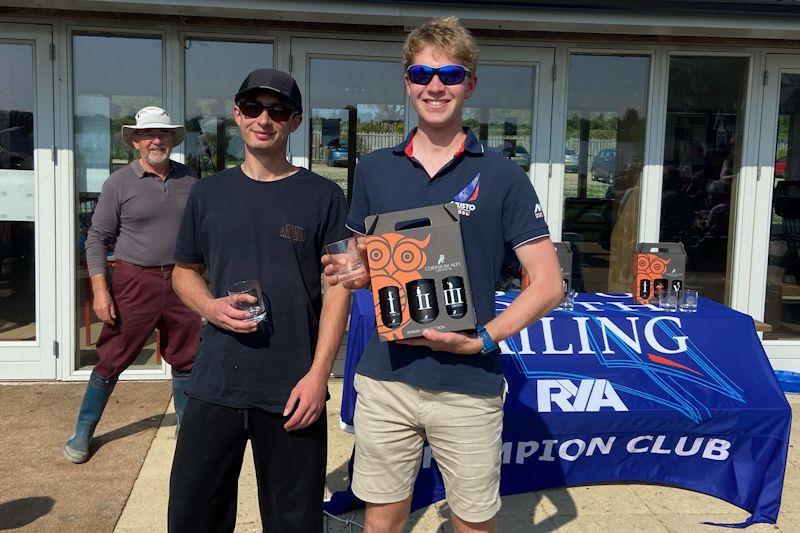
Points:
(275, 81)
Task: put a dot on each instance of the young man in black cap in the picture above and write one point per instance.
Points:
(266, 382)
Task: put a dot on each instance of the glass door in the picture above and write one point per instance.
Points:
(102, 103)
(27, 193)
(606, 120)
(355, 102)
(775, 291)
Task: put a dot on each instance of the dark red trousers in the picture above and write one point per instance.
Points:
(144, 300)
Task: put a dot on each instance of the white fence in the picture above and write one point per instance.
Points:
(368, 142)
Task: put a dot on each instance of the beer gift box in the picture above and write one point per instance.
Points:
(564, 254)
(418, 273)
(657, 267)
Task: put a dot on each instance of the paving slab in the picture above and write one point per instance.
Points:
(641, 523)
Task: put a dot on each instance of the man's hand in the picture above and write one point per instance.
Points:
(223, 313)
(103, 305)
(329, 269)
(456, 342)
(307, 399)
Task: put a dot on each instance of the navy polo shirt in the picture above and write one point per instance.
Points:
(499, 210)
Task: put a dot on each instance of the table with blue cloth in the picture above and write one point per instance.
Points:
(614, 391)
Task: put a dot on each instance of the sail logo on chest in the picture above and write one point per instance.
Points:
(465, 200)
(293, 233)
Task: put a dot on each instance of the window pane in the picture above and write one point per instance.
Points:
(113, 77)
(701, 165)
(214, 70)
(374, 91)
(606, 117)
(782, 308)
(500, 111)
(17, 195)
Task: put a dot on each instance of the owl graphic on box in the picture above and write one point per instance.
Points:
(394, 260)
(648, 267)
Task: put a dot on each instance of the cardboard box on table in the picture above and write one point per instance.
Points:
(406, 248)
(656, 267)
(564, 253)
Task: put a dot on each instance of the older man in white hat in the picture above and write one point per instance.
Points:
(138, 215)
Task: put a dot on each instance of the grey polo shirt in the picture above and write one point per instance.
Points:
(138, 215)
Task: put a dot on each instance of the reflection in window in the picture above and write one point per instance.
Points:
(113, 77)
(782, 308)
(606, 116)
(376, 98)
(214, 70)
(701, 165)
(17, 195)
(500, 112)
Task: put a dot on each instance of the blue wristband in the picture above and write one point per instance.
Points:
(489, 345)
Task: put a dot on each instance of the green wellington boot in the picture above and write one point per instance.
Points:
(94, 402)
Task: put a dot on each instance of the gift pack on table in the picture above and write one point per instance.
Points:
(564, 254)
(418, 272)
(657, 267)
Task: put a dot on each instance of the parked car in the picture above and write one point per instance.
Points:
(604, 165)
(570, 161)
(337, 157)
(519, 155)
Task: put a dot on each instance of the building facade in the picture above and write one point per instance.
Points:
(636, 123)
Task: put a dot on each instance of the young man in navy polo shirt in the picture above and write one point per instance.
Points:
(446, 387)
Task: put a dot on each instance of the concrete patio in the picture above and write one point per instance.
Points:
(601, 508)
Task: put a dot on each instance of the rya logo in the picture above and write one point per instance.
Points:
(465, 200)
(588, 396)
(537, 211)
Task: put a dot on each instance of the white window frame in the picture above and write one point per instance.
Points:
(743, 208)
(783, 354)
(36, 359)
(173, 104)
(652, 161)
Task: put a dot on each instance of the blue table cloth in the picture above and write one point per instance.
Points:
(613, 391)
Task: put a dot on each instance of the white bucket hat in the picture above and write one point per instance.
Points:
(153, 118)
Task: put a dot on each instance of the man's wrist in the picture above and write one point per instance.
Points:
(489, 345)
(99, 283)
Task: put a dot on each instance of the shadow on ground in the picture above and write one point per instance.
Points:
(520, 512)
(18, 513)
(150, 422)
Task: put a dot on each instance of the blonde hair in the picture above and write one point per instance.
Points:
(447, 36)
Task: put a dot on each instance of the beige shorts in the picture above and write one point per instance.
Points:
(392, 420)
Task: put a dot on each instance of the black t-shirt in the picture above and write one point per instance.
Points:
(273, 232)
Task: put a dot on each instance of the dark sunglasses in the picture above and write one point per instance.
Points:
(448, 74)
(254, 108)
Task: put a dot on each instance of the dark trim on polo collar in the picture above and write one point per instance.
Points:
(140, 172)
(471, 145)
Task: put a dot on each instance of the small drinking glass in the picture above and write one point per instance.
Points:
(568, 303)
(688, 301)
(668, 301)
(346, 259)
(246, 296)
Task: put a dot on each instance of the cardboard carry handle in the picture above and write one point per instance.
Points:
(660, 247)
(437, 215)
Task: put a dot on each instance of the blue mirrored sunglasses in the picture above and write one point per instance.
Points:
(448, 74)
